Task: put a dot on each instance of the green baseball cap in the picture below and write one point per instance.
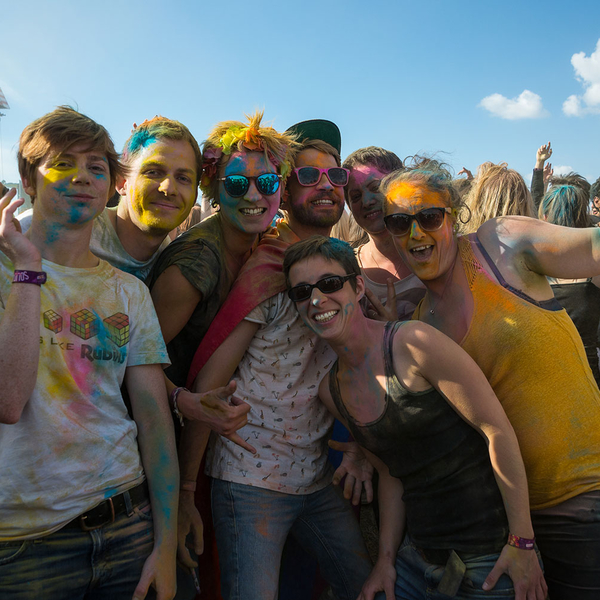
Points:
(318, 129)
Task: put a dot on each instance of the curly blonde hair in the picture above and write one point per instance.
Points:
(231, 136)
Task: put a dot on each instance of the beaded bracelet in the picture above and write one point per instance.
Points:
(173, 403)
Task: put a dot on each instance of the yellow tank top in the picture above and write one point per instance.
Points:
(535, 361)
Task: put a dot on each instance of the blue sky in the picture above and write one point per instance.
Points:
(408, 76)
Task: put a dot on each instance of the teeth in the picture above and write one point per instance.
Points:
(323, 201)
(253, 211)
(420, 248)
(320, 318)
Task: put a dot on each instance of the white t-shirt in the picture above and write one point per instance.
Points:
(105, 244)
(289, 426)
(75, 444)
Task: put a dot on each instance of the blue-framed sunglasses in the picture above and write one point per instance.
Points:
(237, 185)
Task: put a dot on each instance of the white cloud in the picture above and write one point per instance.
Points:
(560, 170)
(525, 106)
(587, 72)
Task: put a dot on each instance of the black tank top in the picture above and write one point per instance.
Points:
(451, 497)
(581, 300)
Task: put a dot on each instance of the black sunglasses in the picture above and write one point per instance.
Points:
(327, 285)
(237, 185)
(308, 176)
(430, 219)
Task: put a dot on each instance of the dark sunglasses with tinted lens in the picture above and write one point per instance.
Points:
(430, 219)
(237, 185)
(327, 285)
(308, 176)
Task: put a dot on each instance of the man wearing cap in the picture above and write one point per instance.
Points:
(277, 363)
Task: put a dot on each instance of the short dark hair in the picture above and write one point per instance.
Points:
(565, 205)
(318, 245)
(374, 156)
(573, 179)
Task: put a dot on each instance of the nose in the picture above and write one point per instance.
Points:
(415, 230)
(317, 297)
(369, 199)
(252, 195)
(167, 186)
(324, 183)
(82, 176)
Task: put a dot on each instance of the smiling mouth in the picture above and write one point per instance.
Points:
(326, 316)
(373, 215)
(165, 205)
(252, 212)
(422, 252)
(322, 202)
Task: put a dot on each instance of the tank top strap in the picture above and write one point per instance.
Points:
(391, 327)
(334, 390)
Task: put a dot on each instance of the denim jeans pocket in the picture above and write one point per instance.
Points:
(476, 574)
(10, 551)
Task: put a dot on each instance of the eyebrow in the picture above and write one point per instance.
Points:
(99, 157)
(156, 163)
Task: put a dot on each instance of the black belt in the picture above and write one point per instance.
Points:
(107, 511)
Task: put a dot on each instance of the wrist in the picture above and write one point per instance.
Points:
(173, 402)
(187, 485)
(539, 164)
(35, 277)
(521, 542)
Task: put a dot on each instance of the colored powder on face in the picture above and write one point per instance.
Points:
(404, 190)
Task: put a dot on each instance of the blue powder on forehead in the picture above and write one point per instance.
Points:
(140, 139)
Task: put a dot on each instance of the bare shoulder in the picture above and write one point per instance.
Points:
(416, 334)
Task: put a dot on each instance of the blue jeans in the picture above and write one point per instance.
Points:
(568, 536)
(76, 564)
(252, 524)
(418, 579)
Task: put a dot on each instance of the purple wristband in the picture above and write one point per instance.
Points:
(35, 277)
(520, 542)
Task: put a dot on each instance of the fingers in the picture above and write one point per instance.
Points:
(225, 392)
(142, 587)
(183, 555)
(368, 485)
(236, 439)
(492, 578)
(339, 474)
(197, 528)
(381, 311)
(340, 446)
(349, 487)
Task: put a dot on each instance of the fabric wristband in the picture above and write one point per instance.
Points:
(520, 542)
(35, 277)
(187, 485)
(173, 403)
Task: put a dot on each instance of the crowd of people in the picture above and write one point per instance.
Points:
(172, 368)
